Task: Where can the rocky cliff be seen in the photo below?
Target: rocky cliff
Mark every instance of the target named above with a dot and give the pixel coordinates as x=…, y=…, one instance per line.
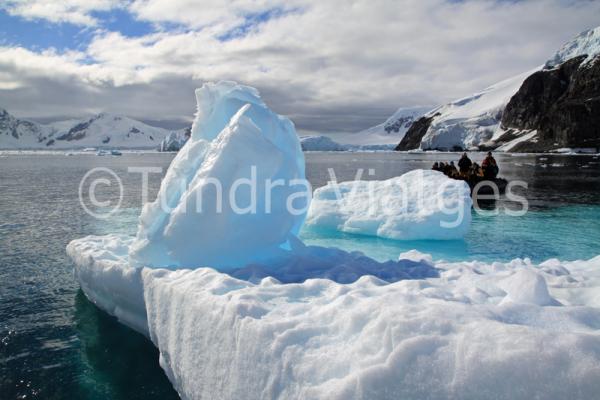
x=561, y=103
x=415, y=133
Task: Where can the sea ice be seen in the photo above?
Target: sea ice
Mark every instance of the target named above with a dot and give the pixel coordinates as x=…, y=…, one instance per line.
x=420, y=204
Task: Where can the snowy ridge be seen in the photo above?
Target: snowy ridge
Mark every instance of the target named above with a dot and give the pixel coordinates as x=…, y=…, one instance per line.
x=17, y=133
x=468, y=122
x=101, y=131
x=389, y=132
x=175, y=140
x=320, y=143
x=587, y=43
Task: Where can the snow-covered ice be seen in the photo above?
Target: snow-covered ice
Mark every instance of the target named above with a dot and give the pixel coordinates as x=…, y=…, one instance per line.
x=464, y=335
x=420, y=204
x=470, y=330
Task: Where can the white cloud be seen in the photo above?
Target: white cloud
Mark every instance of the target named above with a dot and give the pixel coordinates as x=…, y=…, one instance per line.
x=76, y=12
x=331, y=65
x=217, y=15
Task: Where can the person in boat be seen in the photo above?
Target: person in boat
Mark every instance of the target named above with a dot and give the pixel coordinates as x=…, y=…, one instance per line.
x=490, y=167
x=475, y=171
x=442, y=167
x=436, y=166
x=464, y=165
x=452, y=171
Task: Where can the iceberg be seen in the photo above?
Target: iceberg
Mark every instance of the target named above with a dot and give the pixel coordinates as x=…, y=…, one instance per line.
x=420, y=204
x=215, y=207
x=239, y=307
x=321, y=143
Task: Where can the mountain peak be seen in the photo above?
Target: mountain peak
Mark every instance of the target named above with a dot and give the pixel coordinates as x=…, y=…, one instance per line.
x=586, y=43
x=100, y=130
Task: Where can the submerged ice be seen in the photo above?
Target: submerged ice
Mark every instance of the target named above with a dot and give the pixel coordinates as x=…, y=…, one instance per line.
x=294, y=321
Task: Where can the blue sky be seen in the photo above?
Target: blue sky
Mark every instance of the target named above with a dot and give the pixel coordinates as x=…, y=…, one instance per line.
x=40, y=34
x=331, y=65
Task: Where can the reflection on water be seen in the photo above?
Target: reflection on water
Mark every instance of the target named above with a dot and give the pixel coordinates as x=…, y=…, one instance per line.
x=54, y=344
x=118, y=363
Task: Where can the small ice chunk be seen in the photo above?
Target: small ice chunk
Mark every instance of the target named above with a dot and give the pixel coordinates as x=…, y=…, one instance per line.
x=415, y=255
x=420, y=204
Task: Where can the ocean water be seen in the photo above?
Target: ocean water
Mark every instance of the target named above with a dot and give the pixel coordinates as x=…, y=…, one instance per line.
x=54, y=344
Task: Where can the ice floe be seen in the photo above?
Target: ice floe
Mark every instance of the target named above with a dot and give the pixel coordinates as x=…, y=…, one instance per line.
x=420, y=204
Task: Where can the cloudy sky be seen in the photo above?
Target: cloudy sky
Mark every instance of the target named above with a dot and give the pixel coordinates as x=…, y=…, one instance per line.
x=331, y=65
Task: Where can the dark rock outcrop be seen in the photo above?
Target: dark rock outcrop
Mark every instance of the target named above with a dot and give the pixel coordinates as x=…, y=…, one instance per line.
x=412, y=139
x=562, y=104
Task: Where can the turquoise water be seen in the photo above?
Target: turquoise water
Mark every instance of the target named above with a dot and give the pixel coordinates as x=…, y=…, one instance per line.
x=54, y=344
x=568, y=232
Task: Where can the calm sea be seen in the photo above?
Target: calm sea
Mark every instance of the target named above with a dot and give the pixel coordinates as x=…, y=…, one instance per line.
x=54, y=344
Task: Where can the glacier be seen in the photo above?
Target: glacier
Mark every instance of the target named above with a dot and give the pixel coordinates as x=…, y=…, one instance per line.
x=420, y=204
x=389, y=133
x=587, y=42
x=474, y=120
x=239, y=307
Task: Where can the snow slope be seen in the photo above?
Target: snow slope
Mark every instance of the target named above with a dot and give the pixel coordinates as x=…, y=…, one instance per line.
x=587, y=42
x=17, y=133
x=101, y=131
x=473, y=120
x=389, y=132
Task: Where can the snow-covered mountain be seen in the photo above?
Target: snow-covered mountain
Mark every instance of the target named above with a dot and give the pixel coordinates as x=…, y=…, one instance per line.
x=175, y=140
x=587, y=42
x=389, y=132
x=101, y=131
x=18, y=133
x=475, y=122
